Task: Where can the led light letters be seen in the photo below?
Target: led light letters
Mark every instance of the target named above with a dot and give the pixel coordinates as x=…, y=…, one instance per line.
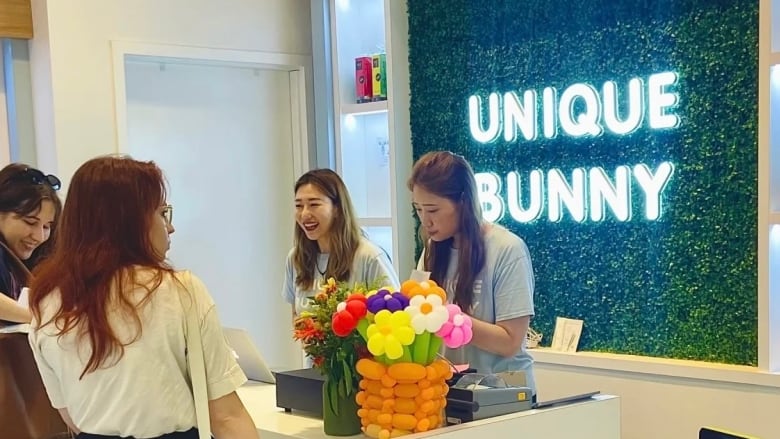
x=579, y=111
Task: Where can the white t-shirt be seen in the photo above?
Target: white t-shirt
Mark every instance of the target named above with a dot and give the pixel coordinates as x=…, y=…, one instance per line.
x=147, y=392
x=369, y=264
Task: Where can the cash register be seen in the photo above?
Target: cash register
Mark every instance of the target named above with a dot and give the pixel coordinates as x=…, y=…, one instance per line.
x=476, y=396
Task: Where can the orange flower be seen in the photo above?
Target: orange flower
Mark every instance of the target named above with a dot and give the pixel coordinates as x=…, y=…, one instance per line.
x=330, y=286
x=307, y=330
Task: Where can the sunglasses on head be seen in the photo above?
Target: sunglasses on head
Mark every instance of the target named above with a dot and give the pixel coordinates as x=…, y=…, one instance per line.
x=35, y=176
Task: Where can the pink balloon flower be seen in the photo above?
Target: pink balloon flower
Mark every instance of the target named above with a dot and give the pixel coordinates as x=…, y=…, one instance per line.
x=456, y=331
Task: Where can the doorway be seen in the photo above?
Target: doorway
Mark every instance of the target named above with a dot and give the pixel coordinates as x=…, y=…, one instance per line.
x=225, y=134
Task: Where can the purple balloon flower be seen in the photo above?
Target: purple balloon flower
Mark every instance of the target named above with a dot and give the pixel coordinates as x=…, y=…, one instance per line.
x=384, y=299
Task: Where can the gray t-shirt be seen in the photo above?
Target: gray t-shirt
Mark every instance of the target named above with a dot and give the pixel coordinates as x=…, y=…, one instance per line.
x=504, y=290
x=370, y=263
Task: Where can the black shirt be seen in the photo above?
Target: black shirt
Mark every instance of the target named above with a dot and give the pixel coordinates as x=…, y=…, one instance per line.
x=9, y=285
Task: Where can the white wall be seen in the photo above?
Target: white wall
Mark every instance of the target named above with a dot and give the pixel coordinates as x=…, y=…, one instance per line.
x=657, y=406
x=71, y=60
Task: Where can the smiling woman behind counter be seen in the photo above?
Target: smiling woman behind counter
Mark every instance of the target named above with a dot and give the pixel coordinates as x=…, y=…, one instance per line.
x=29, y=209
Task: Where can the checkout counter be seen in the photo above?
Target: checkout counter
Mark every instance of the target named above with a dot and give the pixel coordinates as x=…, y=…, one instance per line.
x=597, y=417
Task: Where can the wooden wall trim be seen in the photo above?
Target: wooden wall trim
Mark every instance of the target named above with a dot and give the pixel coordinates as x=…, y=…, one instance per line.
x=16, y=19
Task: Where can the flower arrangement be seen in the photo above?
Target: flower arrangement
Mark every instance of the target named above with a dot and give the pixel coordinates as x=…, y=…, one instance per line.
x=390, y=339
x=332, y=351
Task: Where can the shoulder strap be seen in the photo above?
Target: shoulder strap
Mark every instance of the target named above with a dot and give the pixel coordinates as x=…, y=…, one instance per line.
x=195, y=362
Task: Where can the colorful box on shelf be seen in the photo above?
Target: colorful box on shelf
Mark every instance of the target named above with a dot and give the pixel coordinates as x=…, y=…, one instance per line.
x=370, y=78
x=363, y=79
x=379, y=83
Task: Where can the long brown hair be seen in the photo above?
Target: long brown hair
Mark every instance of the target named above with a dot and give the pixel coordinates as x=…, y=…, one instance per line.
x=450, y=176
x=104, y=236
x=344, y=234
x=22, y=192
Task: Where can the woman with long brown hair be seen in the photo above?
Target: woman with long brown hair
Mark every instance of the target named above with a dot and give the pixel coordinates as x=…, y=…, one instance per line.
x=108, y=329
x=329, y=242
x=485, y=268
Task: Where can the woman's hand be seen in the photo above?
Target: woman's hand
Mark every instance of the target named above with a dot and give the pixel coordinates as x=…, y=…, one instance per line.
x=503, y=338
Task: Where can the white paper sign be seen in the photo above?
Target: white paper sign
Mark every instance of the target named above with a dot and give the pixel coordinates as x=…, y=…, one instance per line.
x=420, y=276
x=567, y=334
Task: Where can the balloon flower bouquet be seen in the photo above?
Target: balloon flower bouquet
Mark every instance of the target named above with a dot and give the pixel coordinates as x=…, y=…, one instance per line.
x=403, y=387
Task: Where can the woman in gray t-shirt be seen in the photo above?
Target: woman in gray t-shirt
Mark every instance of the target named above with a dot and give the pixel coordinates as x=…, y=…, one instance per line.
x=484, y=268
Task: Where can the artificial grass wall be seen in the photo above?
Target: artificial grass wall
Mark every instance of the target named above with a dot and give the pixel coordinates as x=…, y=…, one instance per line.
x=683, y=285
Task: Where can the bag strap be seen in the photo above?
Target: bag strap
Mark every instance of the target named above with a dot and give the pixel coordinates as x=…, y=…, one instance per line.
x=195, y=361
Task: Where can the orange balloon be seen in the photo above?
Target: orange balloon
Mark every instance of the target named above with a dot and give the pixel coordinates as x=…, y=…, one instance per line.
x=407, y=286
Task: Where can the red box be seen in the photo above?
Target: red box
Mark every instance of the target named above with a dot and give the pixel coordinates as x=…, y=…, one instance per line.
x=363, y=79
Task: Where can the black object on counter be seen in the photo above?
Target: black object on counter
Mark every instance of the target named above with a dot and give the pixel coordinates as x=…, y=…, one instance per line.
x=458, y=375
x=300, y=390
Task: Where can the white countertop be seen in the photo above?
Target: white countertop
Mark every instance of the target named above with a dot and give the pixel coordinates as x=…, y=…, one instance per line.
x=598, y=418
x=274, y=422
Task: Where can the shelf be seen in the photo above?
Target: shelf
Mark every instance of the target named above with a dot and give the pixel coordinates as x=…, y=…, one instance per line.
x=774, y=58
x=364, y=109
x=375, y=222
x=774, y=218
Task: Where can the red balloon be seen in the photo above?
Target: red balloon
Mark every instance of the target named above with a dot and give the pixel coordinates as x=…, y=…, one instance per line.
x=357, y=309
x=343, y=323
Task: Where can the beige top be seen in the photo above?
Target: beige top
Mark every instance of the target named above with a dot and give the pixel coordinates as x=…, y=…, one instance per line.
x=146, y=393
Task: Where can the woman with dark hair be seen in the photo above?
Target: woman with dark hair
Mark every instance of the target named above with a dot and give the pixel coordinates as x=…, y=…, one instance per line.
x=484, y=268
x=108, y=327
x=328, y=242
x=29, y=208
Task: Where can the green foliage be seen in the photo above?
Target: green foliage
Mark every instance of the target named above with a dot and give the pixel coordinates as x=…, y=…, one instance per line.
x=681, y=287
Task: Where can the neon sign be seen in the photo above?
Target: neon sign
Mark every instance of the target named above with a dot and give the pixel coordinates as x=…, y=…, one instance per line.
x=579, y=111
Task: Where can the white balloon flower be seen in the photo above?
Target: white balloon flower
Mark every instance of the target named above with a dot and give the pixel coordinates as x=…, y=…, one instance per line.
x=428, y=313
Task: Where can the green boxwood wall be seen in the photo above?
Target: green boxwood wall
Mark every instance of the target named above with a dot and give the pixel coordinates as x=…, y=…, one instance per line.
x=681, y=287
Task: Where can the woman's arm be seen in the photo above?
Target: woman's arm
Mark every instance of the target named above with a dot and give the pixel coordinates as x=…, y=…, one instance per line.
x=513, y=288
x=503, y=338
x=12, y=312
x=230, y=420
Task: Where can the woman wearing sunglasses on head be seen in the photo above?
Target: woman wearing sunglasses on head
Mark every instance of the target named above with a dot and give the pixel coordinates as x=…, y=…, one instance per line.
x=29, y=208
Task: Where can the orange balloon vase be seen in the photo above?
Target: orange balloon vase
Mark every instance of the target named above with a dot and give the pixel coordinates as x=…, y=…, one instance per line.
x=401, y=398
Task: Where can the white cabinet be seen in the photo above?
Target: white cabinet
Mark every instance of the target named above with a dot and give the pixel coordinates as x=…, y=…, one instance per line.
x=372, y=140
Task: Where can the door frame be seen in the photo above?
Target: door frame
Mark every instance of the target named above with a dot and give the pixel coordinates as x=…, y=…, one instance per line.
x=297, y=67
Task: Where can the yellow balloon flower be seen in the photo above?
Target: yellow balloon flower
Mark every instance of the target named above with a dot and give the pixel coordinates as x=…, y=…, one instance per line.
x=389, y=333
